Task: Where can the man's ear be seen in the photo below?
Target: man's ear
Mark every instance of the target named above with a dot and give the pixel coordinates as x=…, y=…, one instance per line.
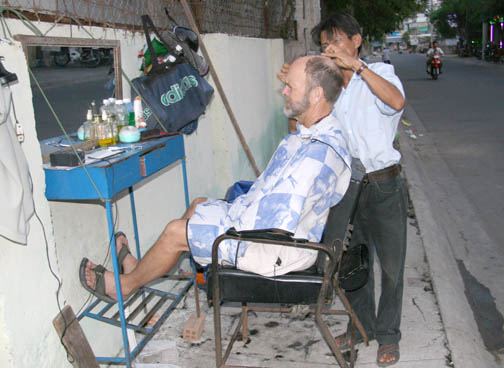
x=357, y=40
x=316, y=95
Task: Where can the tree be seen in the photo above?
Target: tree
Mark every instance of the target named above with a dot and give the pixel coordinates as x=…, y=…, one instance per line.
x=464, y=17
x=376, y=17
x=406, y=38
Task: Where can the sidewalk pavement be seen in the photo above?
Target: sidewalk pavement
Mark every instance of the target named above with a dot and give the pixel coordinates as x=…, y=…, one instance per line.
x=286, y=341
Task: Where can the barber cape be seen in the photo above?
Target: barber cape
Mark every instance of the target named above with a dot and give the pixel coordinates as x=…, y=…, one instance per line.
x=308, y=173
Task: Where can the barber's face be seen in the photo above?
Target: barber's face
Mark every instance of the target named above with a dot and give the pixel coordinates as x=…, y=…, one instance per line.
x=339, y=41
x=296, y=98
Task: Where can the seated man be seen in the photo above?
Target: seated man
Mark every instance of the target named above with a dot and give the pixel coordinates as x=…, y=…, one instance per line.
x=308, y=173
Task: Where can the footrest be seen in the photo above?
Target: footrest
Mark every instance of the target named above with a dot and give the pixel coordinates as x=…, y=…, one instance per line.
x=139, y=308
x=144, y=312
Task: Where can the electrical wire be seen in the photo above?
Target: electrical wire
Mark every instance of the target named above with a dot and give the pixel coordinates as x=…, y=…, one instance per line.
x=66, y=323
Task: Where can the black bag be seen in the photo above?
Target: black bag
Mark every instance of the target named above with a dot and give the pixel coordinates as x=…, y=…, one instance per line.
x=354, y=268
x=354, y=263
x=174, y=95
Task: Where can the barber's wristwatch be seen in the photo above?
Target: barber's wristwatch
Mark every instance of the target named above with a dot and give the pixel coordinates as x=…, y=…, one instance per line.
x=361, y=68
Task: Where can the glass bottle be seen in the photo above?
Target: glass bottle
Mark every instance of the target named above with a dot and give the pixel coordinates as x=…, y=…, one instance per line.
x=105, y=131
x=87, y=125
x=93, y=133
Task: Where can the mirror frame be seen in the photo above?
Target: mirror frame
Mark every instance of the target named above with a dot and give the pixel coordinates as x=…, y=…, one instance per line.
x=78, y=42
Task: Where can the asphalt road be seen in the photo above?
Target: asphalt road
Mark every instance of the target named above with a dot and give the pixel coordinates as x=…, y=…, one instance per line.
x=461, y=114
x=464, y=112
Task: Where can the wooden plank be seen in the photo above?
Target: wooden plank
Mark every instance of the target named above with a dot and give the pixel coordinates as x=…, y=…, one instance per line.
x=66, y=324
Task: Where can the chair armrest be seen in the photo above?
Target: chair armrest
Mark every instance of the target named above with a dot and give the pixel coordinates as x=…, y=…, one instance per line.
x=269, y=236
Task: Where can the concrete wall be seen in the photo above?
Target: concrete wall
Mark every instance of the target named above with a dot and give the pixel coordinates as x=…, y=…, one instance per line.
x=247, y=68
x=307, y=17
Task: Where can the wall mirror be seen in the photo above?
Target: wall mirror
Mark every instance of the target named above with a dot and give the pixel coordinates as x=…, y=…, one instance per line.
x=72, y=73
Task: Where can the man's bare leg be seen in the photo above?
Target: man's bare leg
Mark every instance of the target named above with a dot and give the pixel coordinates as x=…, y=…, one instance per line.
x=160, y=258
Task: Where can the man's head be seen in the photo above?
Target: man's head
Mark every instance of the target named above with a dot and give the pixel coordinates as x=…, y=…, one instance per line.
x=434, y=44
x=313, y=84
x=339, y=28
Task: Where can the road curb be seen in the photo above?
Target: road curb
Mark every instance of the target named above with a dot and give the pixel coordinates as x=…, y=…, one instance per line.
x=464, y=340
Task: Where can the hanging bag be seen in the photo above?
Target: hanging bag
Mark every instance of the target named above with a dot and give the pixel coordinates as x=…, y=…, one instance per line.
x=174, y=95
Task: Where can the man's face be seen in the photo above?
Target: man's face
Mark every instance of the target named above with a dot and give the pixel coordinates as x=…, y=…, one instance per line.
x=296, y=98
x=339, y=39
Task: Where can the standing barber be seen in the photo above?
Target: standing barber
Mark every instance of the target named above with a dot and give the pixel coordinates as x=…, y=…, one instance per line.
x=369, y=108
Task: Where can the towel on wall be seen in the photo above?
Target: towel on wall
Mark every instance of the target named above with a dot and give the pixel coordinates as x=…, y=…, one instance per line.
x=16, y=191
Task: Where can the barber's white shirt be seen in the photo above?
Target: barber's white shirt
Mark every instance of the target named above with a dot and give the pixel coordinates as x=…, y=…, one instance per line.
x=369, y=125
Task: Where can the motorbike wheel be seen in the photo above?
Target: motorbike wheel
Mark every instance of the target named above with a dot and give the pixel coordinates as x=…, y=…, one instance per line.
x=61, y=59
x=434, y=73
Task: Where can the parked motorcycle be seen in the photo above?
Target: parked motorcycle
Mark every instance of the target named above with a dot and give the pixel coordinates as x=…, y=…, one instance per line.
x=86, y=56
x=435, y=66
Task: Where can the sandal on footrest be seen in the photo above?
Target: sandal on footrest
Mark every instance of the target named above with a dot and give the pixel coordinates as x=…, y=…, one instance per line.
x=99, y=290
x=123, y=252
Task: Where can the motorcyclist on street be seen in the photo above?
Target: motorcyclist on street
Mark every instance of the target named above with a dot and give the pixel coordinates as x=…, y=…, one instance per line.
x=434, y=50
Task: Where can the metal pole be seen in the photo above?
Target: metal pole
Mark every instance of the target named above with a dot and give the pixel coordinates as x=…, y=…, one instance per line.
x=218, y=85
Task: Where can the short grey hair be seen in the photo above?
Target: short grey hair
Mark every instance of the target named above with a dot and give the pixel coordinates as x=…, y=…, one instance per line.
x=323, y=72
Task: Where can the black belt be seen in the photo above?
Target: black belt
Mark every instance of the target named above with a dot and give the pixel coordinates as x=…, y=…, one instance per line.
x=383, y=174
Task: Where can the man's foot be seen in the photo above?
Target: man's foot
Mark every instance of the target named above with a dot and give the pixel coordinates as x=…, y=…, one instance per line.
x=127, y=262
x=98, y=281
x=387, y=355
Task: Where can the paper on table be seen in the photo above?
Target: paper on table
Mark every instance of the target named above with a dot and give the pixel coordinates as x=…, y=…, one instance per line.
x=103, y=154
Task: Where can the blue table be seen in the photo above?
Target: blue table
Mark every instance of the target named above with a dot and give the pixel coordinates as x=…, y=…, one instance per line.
x=103, y=180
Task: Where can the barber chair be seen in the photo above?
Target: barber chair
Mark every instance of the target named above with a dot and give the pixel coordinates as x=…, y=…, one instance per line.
x=314, y=287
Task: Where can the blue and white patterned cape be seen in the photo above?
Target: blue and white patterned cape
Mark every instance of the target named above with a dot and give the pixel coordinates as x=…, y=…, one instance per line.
x=308, y=173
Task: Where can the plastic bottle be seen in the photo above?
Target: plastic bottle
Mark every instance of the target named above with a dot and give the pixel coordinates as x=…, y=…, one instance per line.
x=104, y=105
x=80, y=133
x=128, y=104
x=129, y=108
x=138, y=110
x=121, y=114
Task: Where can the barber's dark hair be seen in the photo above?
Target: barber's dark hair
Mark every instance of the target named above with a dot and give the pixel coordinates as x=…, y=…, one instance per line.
x=337, y=21
x=322, y=71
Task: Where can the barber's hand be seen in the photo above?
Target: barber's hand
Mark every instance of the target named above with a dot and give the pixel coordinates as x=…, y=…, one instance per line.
x=340, y=56
x=283, y=73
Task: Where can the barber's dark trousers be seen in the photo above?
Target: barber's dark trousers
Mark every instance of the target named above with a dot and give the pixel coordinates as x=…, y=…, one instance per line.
x=380, y=222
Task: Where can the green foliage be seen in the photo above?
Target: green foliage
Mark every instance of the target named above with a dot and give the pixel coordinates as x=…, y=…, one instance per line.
x=406, y=37
x=444, y=22
x=376, y=17
x=464, y=17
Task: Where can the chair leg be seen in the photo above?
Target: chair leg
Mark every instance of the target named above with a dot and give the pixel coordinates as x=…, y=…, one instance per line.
x=244, y=317
x=329, y=339
x=352, y=314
